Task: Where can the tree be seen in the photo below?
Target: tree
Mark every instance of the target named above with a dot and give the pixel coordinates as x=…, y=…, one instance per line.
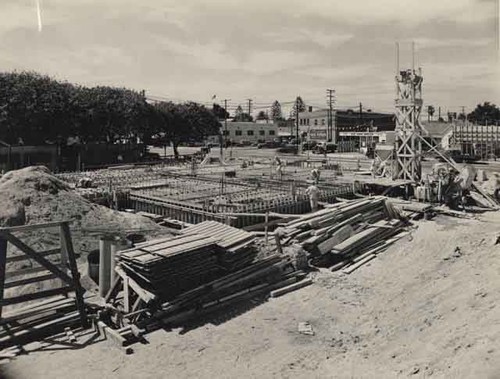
x=276, y=114
x=238, y=112
x=298, y=106
x=40, y=110
x=241, y=116
x=262, y=116
x=486, y=113
x=430, y=112
x=220, y=112
x=183, y=122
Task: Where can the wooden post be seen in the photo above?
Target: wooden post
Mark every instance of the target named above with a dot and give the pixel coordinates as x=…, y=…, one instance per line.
x=3, y=260
x=113, y=251
x=68, y=245
x=104, y=265
x=266, y=227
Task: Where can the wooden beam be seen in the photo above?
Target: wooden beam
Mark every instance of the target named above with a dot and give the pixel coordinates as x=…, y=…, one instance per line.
x=26, y=228
x=70, y=253
x=3, y=258
x=36, y=295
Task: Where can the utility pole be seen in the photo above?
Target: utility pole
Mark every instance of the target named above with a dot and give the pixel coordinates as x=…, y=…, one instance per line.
x=439, y=113
x=225, y=128
x=297, y=122
x=330, y=95
x=249, y=106
x=360, y=113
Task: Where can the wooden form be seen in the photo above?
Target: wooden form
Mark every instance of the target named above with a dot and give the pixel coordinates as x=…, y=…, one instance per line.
x=38, y=319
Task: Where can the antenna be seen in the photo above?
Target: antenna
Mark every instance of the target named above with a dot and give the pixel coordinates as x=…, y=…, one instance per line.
x=397, y=58
x=413, y=56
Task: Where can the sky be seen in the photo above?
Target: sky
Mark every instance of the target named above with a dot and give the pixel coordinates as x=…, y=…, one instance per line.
x=264, y=50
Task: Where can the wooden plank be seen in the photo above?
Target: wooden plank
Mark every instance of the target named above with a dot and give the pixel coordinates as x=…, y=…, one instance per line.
x=28, y=271
x=34, y=279
x=38, y=328
x=26, y=228
x=23, y=257
x=356, y=265
x=291, y=287
x=37, y=295
x=338, y=237
x=19, y=314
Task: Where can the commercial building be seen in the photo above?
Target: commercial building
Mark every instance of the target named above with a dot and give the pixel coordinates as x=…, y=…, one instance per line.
x=314, y=123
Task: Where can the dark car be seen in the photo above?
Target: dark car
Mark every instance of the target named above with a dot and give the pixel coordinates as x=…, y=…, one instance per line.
x=325, y=148
x=288, y=149
x=309, y=145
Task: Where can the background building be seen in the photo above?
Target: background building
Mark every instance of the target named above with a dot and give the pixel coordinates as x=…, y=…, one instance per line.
x=315, y=123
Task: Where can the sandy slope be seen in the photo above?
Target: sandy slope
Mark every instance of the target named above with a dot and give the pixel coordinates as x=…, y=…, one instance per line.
x=418, y=310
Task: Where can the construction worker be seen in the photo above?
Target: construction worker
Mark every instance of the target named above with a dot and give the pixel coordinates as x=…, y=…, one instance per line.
x=315, y=174
x=279, y=167
x=313, y=193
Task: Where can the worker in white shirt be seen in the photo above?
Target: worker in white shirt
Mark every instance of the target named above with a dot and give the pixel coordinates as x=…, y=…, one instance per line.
x=313, y=193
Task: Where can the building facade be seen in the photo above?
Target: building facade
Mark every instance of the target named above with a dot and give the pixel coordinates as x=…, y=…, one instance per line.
x=314, y=123
x=249, y=132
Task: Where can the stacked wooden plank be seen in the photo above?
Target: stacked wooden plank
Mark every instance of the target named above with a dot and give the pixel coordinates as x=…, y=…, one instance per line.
x=38, y=321
x=237, y=246
x=169, y=266
x=258, y=278
x=344, y=230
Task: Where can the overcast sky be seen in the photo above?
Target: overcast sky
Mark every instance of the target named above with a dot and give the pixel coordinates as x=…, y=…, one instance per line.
x=260, y=49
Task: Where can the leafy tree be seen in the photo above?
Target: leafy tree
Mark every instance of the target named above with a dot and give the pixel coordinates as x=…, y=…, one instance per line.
x=276, y=114
x=220, y=112
x=184, y=122
x=262, y=116
x=241, y=116
x=430, y=112
x=238, y=112
x=298, y=106
x=486, y=113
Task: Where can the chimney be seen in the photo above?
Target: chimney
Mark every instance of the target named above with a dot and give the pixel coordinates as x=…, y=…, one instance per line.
x=310, y=109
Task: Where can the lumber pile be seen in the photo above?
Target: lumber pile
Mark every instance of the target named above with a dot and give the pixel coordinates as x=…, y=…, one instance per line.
x=38, y=321
x=336, y=235
x=169, y=266
x=237, y=246
x=207, y=267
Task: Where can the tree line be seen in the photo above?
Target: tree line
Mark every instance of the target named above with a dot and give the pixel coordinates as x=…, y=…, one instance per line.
x=36, y=109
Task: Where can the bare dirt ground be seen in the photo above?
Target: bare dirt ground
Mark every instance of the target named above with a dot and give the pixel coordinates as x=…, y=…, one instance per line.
x=421, y=309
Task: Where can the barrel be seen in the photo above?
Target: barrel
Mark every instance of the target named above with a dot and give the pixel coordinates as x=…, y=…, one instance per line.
x=93, y=265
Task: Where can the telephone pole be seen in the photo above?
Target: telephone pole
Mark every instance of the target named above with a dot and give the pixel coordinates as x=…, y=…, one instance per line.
x=297, y=122
x=330, y=100
x=225, y=126
x=249, y=106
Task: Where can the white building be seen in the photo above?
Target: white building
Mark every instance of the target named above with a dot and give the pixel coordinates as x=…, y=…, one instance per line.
x=247, y=132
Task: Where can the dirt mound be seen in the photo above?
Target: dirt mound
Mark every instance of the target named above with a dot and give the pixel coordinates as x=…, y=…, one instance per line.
x=33, y=195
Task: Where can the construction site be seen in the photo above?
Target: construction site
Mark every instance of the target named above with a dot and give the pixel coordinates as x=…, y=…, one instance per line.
x=374, y=254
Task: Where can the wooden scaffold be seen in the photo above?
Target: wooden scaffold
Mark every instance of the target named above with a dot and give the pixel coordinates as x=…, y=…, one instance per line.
x=408, y=144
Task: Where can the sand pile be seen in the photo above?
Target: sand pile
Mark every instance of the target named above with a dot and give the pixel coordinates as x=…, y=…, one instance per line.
x=33, y=195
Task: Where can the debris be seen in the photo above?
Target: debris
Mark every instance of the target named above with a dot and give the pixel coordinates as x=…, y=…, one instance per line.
x=305, y=328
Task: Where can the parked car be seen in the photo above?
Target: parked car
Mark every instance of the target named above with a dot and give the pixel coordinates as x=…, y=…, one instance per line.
x=269, y=145
x=309, y=145
x=288, y=149
x=325, y=147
